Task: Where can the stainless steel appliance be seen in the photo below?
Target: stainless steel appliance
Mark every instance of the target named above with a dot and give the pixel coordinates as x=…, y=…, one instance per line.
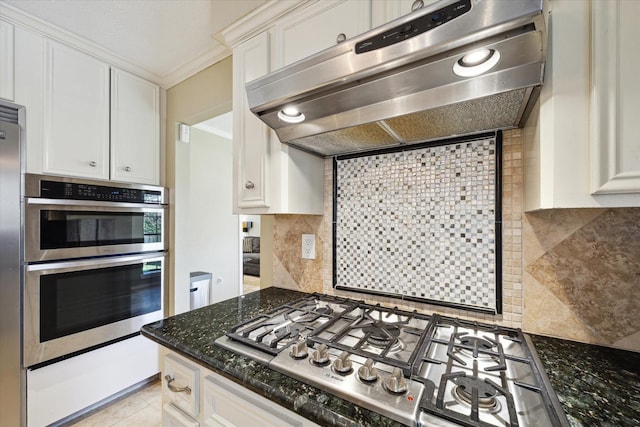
x=73, y=305
x=418, y=369
x=12, y=376
x=94, y=264
x=451, y=68
x=74, y=218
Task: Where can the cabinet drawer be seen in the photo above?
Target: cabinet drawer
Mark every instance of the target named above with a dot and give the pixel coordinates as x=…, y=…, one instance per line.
x=173, y=417
x=181, y=385
x=226, y=404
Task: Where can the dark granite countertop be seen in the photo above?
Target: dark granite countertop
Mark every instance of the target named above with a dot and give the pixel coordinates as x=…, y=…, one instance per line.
x=597, y=386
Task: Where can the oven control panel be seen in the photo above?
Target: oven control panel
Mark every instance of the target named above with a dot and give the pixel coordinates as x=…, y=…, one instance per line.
x=76, y=189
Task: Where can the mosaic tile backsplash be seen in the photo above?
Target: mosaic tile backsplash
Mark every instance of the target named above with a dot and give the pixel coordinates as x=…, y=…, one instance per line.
x=421, y=224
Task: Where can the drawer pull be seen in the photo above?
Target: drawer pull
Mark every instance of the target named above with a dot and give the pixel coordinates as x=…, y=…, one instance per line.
x=249, y=185
x=93, y=164
x=175, y=389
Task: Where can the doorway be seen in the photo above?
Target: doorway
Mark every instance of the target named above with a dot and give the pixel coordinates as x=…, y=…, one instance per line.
x=211, y=237
x=251, y=248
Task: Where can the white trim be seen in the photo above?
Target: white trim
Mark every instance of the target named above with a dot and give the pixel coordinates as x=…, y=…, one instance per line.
x=258, y=21
x=193, y=67
x=43, y=28
x=243, y=29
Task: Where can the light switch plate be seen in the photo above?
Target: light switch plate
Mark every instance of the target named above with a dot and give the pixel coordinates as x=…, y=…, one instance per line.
x=309, y=246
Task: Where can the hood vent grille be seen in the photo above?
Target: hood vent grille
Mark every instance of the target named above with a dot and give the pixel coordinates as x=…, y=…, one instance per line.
x=501, y=111
x=408, y=92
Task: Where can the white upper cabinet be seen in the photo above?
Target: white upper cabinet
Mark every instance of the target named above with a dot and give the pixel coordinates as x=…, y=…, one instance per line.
x=615, y=132
x=384, y=11
x=269, y=177
x=76, y=113
x=83, y=117
x=6, y=61
x=251, y=138
x=135, y=129
x=581, y=147
x=319, y=27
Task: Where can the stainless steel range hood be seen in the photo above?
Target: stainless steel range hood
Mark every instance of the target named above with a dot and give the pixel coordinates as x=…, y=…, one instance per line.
x=396, y=84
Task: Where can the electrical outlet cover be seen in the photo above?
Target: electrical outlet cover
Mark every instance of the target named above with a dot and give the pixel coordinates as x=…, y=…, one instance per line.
x=309, y=246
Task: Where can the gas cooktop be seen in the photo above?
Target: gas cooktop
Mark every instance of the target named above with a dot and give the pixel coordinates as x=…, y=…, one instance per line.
x=420, y=370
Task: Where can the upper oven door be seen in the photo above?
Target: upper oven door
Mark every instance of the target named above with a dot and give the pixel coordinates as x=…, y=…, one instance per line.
x=62, y=229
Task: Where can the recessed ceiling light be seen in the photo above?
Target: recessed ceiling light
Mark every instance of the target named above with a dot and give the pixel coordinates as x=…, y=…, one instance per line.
x=476, y=62
x=291, y=115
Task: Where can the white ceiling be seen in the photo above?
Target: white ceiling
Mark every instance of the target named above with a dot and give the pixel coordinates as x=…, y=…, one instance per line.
x=161, y=37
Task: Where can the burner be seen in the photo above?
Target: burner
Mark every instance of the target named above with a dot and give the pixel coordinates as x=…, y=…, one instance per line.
x=463, y=391
x=325, y=311
x=381, y=334
x=473, y=344
x=476, y=342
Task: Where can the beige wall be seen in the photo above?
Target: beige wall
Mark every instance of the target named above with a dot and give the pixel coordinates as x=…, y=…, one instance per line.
x=200, y=97
x=572, y=274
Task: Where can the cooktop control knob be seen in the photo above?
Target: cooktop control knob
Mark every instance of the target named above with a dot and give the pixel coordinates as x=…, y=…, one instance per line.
x=299, y=350
x=367, y=372
x=342, y=365
x=395, y=383
x=320, y=357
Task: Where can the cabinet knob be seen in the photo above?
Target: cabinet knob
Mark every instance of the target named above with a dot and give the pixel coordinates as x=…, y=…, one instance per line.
x=418, y=4
x=341, y=37
x=93, y=164
x=127, y=168
x=249, y=185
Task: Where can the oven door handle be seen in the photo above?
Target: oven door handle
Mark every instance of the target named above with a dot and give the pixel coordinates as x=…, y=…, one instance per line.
x=97, y=262
x=92, y=203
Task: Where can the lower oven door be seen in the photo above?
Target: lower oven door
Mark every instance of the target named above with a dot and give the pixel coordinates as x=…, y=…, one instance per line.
x=70, y=306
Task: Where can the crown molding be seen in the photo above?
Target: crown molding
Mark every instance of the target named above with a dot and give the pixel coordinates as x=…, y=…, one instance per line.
x=193, y=67
x=243, y=29
x=258, y=20
x=43, y=28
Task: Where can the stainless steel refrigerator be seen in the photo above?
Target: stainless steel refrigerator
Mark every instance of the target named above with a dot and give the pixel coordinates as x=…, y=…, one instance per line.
x=12, y=375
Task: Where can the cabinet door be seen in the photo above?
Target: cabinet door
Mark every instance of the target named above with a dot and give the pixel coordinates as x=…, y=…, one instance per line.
x=317, y=28
x=76, y=114
x=6, y=61
x=251, y=148
x=615, y=129
x=29, y=91
x=383, y=11
x=135, y=129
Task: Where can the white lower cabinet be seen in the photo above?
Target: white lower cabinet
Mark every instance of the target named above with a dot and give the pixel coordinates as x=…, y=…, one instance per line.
x=218, y=402
x=181, y=385
x=173, y=417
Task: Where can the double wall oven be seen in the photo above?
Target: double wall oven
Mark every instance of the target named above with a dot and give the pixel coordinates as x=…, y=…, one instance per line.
x=94, y=263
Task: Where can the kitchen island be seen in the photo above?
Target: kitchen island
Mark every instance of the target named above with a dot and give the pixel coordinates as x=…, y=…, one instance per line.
x=596, y=386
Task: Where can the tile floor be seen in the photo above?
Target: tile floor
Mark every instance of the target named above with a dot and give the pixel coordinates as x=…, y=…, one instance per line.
x=250, y=284
x=142, y=408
